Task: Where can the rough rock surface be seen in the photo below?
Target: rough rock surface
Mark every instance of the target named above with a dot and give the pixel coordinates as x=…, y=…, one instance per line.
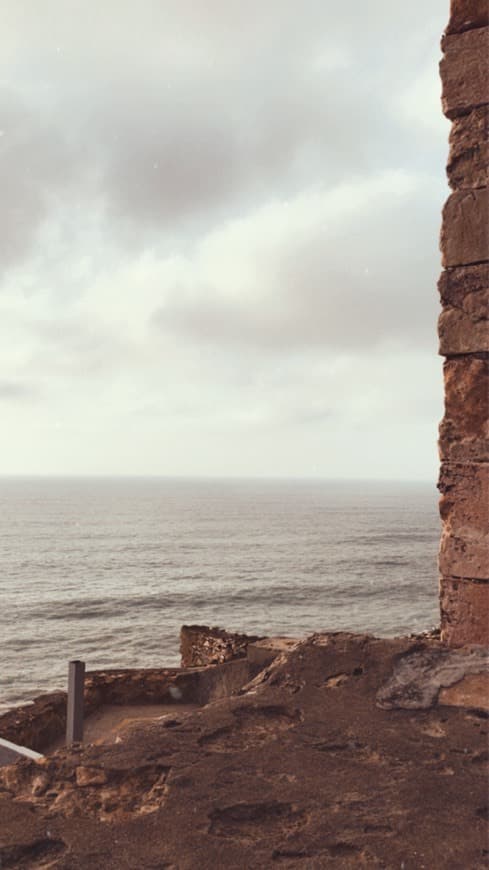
x=419, y=677
x=261, y=652
x=43, y=722
x=464, y=71
x=463, y=333
x=464, y=330
x=466, y=14
x=465, y=228
x=472, y=691
x=303, y=768
x=464, y=322
x=464, y=509
x=468, y=163
x=466, y=288
x=201, y=645
x=464, y=430
x=464, y=607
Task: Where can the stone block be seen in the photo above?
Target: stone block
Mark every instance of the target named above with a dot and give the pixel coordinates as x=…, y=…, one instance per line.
x=464, y=509
x=465, y=228
x=467, y=288
x=463, y=326
x=463, y=70
x=460, y=334
x=465, y=553
x=464, y=430
x=467, y=14
x=201, y=645
x=464, y=612
x=468, y=161
x=464, y=489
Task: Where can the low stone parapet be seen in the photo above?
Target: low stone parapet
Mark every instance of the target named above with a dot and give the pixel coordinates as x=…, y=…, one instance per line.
x=41, y=723
x=201, y=645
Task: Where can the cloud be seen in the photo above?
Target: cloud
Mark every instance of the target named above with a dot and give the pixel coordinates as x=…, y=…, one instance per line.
x=168, y=119
x=346, y=267
x=18, y=391
x=219, y=221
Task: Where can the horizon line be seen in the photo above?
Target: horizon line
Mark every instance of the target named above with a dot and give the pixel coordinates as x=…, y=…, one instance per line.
x=203, y=477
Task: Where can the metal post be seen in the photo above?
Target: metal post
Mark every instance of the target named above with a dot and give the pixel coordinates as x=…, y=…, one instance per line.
x=74, y=711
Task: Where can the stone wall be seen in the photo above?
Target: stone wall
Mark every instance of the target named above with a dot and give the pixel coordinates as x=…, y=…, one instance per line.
x=464, y=330
x=201, y=645
x=39, y=724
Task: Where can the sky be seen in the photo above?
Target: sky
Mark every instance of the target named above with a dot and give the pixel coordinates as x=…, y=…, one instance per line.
x=219, y=237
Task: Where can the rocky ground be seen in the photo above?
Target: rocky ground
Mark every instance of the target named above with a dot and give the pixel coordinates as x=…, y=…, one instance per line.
x=345, y=751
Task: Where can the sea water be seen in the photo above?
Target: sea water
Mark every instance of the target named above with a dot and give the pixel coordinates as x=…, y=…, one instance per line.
x=107, y=570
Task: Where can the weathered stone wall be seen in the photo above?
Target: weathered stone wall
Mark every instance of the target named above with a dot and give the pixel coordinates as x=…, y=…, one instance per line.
x=201, y=645
x=464, y=330
x=39, y=724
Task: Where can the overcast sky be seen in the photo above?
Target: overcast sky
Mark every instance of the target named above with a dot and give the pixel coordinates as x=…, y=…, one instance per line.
x=219, y=237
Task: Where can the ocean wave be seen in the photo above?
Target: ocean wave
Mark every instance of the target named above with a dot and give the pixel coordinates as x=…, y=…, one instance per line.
x=110, y=572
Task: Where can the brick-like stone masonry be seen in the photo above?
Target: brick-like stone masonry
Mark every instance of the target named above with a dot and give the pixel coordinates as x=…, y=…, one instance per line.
x=201, y=646
x=464, y=330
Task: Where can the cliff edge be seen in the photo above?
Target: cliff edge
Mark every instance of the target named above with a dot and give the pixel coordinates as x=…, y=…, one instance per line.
x=343, y=751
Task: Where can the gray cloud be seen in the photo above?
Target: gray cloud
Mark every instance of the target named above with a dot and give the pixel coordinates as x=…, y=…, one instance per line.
x=18, y=391
x=216, y=218
x=347, y=283
x=165, y=117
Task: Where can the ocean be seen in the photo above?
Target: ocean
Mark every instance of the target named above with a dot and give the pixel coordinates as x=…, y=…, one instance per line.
x=107, y=570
